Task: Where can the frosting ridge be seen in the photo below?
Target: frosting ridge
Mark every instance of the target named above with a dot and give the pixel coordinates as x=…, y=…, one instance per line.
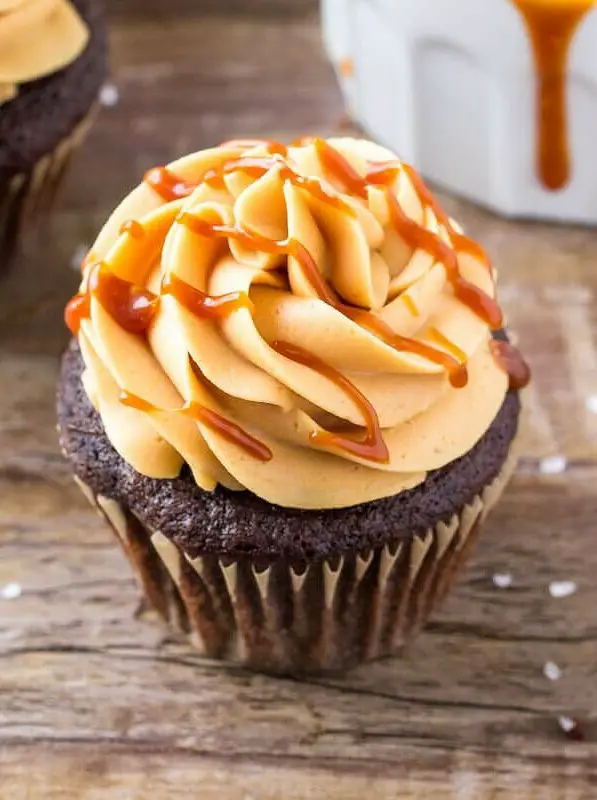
x=304, y=322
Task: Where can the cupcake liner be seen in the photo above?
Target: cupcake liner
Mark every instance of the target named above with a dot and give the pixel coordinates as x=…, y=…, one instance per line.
x=28, y=197
x=289, y=619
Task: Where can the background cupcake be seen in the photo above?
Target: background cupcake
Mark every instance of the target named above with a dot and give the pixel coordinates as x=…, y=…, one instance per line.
x=52, y=65
x=286, y=398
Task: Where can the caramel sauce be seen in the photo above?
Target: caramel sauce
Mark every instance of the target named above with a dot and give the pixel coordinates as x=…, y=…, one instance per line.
x=438, y=337
x=134, y=401
x=256, y=167
x=169, y=186
x=511, y=361
x=225, y=427
x=275, y=148
x=410, y=304
x=551, y=26
x=231, y=431
x=457, y=372
x=372, y=447
x=201, y=304
x=415, y=235
x=77, y=309
x=133, y=307
x=133, y=228
x=253, y=241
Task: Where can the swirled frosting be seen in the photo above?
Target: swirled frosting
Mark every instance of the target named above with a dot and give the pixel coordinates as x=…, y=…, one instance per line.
x=302, y=322
x=37, y=37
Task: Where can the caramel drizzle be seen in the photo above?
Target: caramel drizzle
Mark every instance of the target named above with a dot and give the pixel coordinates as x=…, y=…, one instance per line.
x=551, y=28
x=253, y=241
x=134, y=307
x=372, y=447
x=168, y=185
x=512, y=362
x=257, y=166
x=211, y=419
x=201, y=304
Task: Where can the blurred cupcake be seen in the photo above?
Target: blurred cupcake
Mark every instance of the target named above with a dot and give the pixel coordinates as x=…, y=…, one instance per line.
x=288, y=394
x=52, y=65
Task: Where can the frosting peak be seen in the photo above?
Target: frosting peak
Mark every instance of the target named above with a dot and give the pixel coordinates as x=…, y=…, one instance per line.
x=304, y=322
x=37, y=37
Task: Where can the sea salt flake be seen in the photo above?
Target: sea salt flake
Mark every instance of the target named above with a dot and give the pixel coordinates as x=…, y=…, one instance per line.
x=503, y=580
x=551, y=671
x=109, y=95
x=554, y=465
x=560, y=589
x=572, y=728
x=11, y=591
x=592, y=404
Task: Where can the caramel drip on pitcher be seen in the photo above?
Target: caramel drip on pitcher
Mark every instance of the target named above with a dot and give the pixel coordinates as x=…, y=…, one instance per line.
x=551, y=27
x=211, y=419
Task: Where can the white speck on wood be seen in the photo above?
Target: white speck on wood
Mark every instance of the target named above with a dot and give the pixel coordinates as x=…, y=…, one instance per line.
x=11, y=591
x=551, y=671
x=560, y=589
x=554, y=465
x=109, y=95
x=503, y=580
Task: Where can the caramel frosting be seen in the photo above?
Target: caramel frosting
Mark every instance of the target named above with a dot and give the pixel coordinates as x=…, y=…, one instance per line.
x=37, y=37
x=303, y=322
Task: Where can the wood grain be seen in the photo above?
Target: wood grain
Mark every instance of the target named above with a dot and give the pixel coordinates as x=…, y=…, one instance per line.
x=97, y=704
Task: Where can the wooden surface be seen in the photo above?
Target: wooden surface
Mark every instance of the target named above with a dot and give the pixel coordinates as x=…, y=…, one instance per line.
x=95, y=704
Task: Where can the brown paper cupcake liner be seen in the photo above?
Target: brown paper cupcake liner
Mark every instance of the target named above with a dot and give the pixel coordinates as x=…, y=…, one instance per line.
x=28, y=197
x=332, y=615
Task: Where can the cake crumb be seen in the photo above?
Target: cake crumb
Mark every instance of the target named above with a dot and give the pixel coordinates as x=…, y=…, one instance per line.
x=572, y=728
x=503, y=580
x=11, y=591
x=560, y=589
x=551, y=671
x=109, y=95
x=554, y=465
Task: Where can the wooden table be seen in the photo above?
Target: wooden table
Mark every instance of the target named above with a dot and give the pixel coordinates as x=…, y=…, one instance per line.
x=95, y=704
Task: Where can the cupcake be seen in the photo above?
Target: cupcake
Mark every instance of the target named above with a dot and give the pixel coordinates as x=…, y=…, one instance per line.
x=289, y=393
x=52, y=65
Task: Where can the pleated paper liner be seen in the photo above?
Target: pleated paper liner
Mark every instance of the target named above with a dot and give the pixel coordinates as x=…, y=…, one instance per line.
x=284, y=618
x=27, y=198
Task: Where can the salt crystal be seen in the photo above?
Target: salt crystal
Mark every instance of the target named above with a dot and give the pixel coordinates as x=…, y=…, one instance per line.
x=572, y=728
x=11, y=591
x=592, y=404
x=551, y=671
x=108, y=95
x=562, y=588
x=567, y=724
x=503, y=580
x=554, y=465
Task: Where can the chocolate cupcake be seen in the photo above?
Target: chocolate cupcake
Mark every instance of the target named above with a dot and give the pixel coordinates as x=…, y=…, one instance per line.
x=52, y=65
x=288, y=395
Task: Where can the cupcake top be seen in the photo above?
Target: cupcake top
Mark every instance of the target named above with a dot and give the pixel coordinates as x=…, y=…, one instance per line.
x=37, y=37
x=304, y=322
